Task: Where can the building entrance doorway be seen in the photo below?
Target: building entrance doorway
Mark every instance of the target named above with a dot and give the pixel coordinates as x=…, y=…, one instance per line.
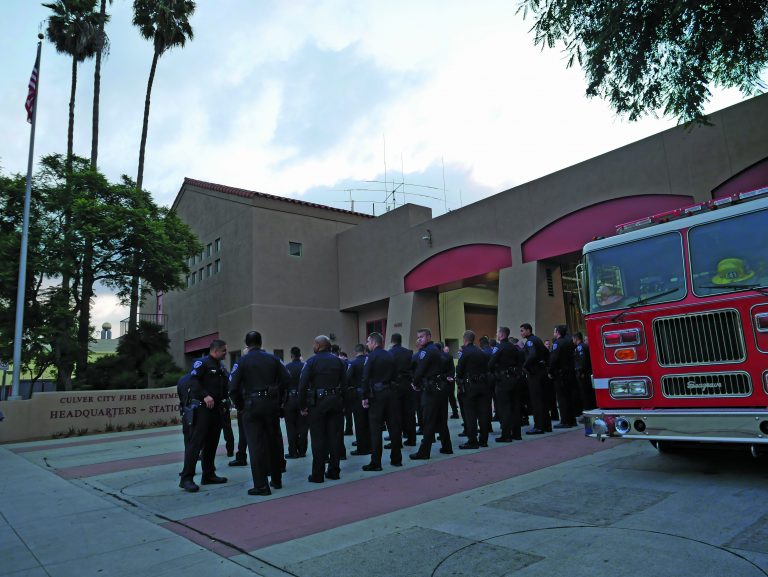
x=472, y=308
x=573, y=317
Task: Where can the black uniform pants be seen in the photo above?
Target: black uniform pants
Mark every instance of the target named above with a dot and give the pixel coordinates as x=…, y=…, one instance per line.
x=384, y=408
x=296, y=427
x=325, y=428
x=229, y=434
x=588, y=401
x=508, y=407
x=362, y=428
x=204, y=436
x=452, y=397
x=538, y=397
x=408, y=400
x=551, y=397
x=566, y=387
x=350, y=400
x=241, y=454
x=477, y=408
x=418, y=405
x=264, y=446
x=434, y=407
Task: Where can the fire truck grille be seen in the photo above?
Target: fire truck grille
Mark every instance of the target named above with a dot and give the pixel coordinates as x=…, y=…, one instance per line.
x=707, y=385
x=699, y=339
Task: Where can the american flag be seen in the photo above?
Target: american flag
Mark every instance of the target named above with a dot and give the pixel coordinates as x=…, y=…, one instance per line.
x=30, y=104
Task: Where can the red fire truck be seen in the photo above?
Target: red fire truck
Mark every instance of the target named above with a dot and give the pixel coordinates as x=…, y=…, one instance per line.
x=676, y=309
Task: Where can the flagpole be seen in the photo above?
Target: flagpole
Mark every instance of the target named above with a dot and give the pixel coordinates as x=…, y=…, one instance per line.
x=22, y=285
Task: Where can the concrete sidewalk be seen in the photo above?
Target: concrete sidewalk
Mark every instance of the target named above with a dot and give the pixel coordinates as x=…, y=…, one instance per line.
x=556, y=504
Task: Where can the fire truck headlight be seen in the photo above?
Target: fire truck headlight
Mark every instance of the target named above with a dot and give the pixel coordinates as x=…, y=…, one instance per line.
x=622, y=425
x=627, y=388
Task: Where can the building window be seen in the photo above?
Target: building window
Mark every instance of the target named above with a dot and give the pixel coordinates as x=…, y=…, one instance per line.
x=217, y=243
x=279, y=353
x=294, y=248
x=202, y=254
x=194, y=277
x=550, y=283
x=189, y=280
x=208, y=270
x=217, y=266
x=208, y=249
x=201, y=274
x=377, y=326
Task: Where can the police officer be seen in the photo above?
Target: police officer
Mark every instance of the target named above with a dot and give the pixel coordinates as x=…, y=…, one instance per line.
x=361, y=414
x=380, y=398
x=403, y=377
x=506, y=364
x=258, y=382
x=562, y=372
x=296, y=425
x=451, y=384
x=336, y=351
x=241, y=456
x=182, y=390
x=535, y=365
x=208, y=384
x=320, y=397
x=472, y=374
x=582, y=363
x=428, y=379
x=448, y=372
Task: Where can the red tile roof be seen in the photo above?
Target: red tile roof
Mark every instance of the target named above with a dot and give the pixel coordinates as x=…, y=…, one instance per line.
x=252, y=194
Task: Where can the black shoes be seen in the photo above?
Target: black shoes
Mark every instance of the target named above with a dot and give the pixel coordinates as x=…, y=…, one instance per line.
x=332, y=476
x=230, y=454
x=400, y=464
x=409, y=443
x=418, y=457
x=189, y=485
x=260, y=491
x=503, y=439
x=372, y=467
x=446, y=451
x=563, y=426
x=388, y=446
x=348, y=433
x=213, y=480
x=455, y=416
x=483, y=443
x=469, y=446
x=359, y=453
x=237, y=463
x=289, y=456
x=312, y=479
x=276, y=484
x=534, y=432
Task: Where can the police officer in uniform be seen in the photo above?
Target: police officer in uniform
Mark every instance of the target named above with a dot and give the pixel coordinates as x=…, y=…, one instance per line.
x=258, y=382
x=562, y=372
x=451, y=384
x=208, y=384
x=296, y=425
x=380, y=398
x=582, y=363
x=320, y=397
x=472, y=374
x=535, y=365
x=428, y=379
x=402, y=378
x=182, y=390
x=506, y=364
x=361, y=416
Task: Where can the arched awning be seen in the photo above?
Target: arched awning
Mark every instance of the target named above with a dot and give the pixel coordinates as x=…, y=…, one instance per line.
x=752, y=178
x=571, y=232
x=456, y=264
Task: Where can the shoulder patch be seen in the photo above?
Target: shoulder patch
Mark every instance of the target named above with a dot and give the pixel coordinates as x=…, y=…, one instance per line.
x=579, y=348
x=422, y=354
x=495, y=350
x=554, y=347
x=197, y=364
x=528, y=343
x=234, y=369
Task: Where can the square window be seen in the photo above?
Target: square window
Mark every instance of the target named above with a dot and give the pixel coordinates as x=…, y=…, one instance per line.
x=202, y=254
x=208, y=249
x=200, y=274
x=217, y=242
x=208, y=270
x=194, y=277
x=294, y=248
x=217, y=266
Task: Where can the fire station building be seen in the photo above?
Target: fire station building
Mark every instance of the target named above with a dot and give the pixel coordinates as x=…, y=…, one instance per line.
x=293, y=269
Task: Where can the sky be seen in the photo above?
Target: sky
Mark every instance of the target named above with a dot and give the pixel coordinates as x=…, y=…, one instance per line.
x=321, y=101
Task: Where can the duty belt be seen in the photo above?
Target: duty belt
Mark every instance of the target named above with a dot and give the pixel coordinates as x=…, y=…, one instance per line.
x=378, y=387
x=326, y=392
x=258, y=393
x=293, y=393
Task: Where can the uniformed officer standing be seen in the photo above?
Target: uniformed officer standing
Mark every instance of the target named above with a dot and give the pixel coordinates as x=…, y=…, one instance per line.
x=381, y=400
x=403, y=377
x=320, y=397
x=208, y=384
x=434, y=397
x=451, y=384
x=448, y=371
x=472, y=375
x=241, y=456
x=535, y=366
x=354, y=380
x=182, y=390
x=296, y=425
x=582, y=363
x=258, y=382
x=506, y=364
x=562, y=372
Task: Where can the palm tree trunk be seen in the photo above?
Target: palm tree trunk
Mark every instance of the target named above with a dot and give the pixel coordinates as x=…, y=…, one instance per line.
x=143, y=145
x=97, y=89
x=84, y=321
x=71, y=129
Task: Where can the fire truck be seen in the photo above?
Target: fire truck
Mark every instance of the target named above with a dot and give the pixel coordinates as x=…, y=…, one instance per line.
x=676, y=314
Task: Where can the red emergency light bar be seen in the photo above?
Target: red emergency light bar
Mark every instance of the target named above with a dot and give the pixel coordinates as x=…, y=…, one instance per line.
x=691, y=210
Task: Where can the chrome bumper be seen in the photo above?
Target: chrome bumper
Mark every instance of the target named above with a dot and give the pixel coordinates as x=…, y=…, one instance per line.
x=703, y=426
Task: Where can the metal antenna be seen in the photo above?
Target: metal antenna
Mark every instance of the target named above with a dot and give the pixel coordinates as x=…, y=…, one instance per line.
x=445, y=197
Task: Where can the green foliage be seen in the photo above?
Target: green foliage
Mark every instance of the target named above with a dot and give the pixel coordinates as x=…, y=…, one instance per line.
x=73, y=28
x=648, y=55
x=164, y=22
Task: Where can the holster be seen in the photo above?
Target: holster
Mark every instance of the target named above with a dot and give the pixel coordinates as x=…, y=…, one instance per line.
x=190, y=410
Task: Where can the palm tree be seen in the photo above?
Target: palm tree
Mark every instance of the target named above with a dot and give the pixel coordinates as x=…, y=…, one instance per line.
x=73, y=28
x=102, y=47
x=166, y=24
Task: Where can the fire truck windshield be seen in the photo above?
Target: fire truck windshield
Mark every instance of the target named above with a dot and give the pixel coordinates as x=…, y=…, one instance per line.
x=649, y=270
x=730, y=255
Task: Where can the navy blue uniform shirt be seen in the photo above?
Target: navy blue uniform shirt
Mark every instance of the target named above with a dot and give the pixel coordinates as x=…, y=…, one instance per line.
x=379, y=368
x=428, y=363
x=473, y=362
x=403, y=362
x=208, y=378
x=505, y=356
x=536, y=354
x=256, y=370
x=322, y=371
